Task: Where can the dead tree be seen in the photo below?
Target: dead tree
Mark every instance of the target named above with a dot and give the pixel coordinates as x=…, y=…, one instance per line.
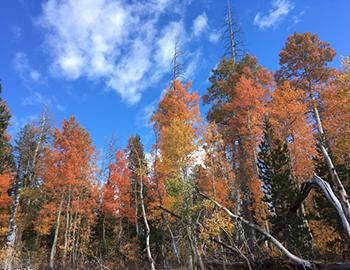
x=231, y=35
x=318, y=182
x=300, y=261
x=177, y=67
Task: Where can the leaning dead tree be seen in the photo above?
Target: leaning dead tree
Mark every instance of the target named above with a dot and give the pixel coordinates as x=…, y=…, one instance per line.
x=300, y=261
x=148, y=230
x=318, y=182
x=342, y=193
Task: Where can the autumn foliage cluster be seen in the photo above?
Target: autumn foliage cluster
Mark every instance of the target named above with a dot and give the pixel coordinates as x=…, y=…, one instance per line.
x=64, y=205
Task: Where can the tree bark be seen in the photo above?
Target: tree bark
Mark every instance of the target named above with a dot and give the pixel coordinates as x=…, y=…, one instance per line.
x=148, y=231
x=54, y=244
x=11, y=237
x=175, y=248
x=231, y=31
x=67, y=229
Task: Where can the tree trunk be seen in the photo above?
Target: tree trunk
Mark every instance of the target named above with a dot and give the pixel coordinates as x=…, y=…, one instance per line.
x=332, y=198
x=148, y=231
x=136, y=209
x=344, y=198
x=53, y=248
x=11, y=237
x=67, y=230
x=231, y=31
x=175, y=248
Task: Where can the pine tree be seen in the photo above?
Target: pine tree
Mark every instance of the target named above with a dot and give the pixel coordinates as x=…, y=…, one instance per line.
x=28, y=153
x=6, y=160
x=280, y=192
x=137, y=164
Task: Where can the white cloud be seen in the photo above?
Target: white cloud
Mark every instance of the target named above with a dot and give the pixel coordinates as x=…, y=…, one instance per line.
x=280, y=8
x=214, y=37
x=190, y=68
x=24, y=69
x=146, y=113
x=166, y=43
x=200, y=24
x=122, y=44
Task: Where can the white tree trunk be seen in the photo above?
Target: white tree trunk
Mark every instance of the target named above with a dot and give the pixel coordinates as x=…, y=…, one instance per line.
x=344, y=198
x=317, y=181
x=54, y=244
x=148, y=231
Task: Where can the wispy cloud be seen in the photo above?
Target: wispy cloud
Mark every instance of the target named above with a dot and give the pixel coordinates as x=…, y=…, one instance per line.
x=24, y=69
x=200, y=24
x=123, y=44
x=280, y=9
x=16, y=32
x=296, y=19
x=214, y=37
x=192, y=65
x=146, y=113
x=37, y=99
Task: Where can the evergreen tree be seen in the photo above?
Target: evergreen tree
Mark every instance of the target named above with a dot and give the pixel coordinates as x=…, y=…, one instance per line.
x=280, y=192
x=137, y=164
x=6, y=160
x=28, y=154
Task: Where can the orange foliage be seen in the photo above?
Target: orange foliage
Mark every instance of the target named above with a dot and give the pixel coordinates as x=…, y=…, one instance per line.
x=288, y=116
x=176, y=123
x=5, y=202
x=336, y=117
x=303, y=61
x=179, y=103
x=216, y=178
x=117, y=191
x=68, y=175
x=248, y=110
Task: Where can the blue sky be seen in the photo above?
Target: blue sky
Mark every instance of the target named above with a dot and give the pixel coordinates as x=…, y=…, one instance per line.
x=108, y=61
